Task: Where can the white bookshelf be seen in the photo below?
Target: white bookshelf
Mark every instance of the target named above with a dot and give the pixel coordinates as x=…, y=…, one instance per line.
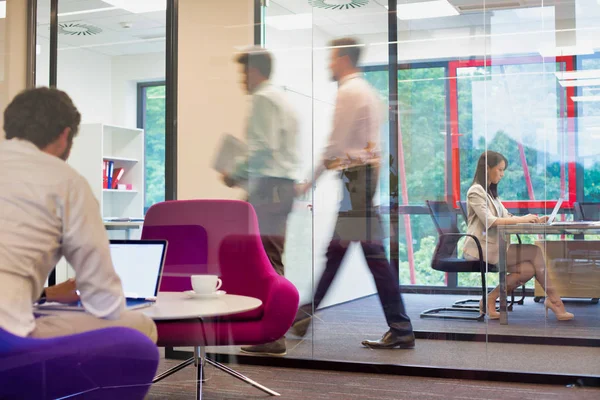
x=125, y=148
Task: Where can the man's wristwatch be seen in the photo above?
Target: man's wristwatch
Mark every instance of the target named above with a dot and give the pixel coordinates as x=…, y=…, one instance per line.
x=42, y=298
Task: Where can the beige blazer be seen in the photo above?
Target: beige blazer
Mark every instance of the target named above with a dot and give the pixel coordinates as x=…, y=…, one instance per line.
x=482, y=212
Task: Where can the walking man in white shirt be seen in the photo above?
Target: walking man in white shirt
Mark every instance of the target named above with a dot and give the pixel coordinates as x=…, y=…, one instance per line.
x=47, y=210
x=271, y=165
x=354, y=152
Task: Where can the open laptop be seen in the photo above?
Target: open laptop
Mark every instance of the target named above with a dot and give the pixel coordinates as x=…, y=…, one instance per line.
x=559, y=223
x=139, y=264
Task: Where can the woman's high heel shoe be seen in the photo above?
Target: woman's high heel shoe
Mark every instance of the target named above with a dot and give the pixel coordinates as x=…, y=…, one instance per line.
x=561, y=315
x=492, y=313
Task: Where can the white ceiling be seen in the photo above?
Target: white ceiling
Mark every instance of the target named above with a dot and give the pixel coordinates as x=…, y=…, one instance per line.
x=146, y=34
x=372, y=18
x=147, y=31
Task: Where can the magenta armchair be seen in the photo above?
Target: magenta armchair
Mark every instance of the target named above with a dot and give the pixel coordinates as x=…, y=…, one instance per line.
x=220, y=237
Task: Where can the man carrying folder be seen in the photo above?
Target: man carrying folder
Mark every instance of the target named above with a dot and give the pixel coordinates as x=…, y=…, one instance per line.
x=270, y=169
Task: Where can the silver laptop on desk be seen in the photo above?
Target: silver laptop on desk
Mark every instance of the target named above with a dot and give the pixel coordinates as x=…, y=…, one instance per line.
x=139, y=264
x=550, y=219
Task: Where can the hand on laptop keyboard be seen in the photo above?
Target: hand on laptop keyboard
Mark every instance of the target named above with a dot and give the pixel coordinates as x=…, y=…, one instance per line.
x=65, y=292
x=529, y=219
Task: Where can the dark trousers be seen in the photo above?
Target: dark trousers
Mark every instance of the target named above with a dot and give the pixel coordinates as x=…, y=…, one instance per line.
x=272, y=199
x=358, y=221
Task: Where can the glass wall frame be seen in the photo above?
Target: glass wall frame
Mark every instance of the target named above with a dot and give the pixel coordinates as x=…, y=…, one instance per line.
x=51, y=18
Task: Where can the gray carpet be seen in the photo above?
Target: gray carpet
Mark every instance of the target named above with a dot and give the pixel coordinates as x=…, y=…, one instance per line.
x=296, y=384
x=526, y=320
x=337, y=332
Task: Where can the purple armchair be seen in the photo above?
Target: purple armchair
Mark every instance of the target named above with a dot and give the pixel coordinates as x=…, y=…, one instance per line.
x=220, y=237
x=112, y=363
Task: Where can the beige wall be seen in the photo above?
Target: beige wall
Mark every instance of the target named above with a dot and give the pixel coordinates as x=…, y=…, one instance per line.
x=13, y=53
x=211, y=101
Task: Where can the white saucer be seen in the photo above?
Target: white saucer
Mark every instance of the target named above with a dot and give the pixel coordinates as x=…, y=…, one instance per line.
x=193, y=295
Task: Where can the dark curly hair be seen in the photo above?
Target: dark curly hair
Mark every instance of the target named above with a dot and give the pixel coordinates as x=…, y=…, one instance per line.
x=40, y=115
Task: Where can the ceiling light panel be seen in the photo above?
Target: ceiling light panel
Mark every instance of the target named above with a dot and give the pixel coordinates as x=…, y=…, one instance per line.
x=580, y=83
x=91, y=11
x=585, y=74
x=426, y=9
x=290, y=22
x=585, y=98
x=139, y=6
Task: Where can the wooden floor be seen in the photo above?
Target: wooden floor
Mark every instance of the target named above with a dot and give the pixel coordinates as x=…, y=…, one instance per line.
x=297, y=384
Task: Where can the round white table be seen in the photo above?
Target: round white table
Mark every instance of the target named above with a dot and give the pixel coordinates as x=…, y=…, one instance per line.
x=177, y=305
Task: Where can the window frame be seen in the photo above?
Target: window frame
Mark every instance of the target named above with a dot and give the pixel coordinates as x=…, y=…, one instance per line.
x=452, y=161
x=570, y=63
x=141, y=121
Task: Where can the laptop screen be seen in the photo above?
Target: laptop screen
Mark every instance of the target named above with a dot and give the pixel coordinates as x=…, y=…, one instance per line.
x=139, y=265
x=555, y=210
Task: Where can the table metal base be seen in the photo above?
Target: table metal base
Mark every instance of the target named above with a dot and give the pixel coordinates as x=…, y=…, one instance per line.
x=199, y=359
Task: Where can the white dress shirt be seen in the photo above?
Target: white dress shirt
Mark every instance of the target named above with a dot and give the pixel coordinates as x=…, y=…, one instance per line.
x=47, y=210
x=272, y=134
x=356, y=124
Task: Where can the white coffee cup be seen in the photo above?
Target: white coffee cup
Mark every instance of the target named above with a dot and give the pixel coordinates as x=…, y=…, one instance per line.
x=205, y=284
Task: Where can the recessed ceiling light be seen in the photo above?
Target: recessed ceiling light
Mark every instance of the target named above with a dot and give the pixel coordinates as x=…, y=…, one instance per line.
x=290, y=22
x=139, y=6
x=93, y=10
x=425, y=9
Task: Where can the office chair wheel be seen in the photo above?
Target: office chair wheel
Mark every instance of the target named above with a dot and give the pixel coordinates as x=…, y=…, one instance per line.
x=595, y=300
x=537, y=299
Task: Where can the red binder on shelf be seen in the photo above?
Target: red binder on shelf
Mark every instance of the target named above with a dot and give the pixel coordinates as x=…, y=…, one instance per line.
x=104, y=174
x=117, y=175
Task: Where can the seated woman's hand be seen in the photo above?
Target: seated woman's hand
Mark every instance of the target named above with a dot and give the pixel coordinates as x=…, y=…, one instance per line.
x=543, y=219
x=529, y=218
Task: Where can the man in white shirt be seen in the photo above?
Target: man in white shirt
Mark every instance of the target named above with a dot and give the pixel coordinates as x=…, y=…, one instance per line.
x=354, y=152
x=270, y=170
x=47, y=210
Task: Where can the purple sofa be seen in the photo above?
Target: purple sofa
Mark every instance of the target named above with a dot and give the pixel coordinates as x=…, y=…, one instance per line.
x=112, y=363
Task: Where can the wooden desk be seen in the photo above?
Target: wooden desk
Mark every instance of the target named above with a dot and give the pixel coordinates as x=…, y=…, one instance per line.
x=573, y=266
x=504, y=233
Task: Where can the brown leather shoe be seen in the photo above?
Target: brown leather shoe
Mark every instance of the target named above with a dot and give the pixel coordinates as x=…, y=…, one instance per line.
x=391, y=340
x=276, y=348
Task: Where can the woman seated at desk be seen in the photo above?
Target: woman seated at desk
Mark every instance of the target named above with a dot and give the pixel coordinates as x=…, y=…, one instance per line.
x=485, y=213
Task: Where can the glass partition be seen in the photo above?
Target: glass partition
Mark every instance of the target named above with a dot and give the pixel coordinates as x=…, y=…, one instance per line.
x=107, y=56
x=384, y=167
x=476, y=77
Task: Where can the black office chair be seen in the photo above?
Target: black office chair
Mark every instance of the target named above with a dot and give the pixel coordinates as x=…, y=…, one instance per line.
x=445, y=259
x=464, y=303
x=586, y=211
